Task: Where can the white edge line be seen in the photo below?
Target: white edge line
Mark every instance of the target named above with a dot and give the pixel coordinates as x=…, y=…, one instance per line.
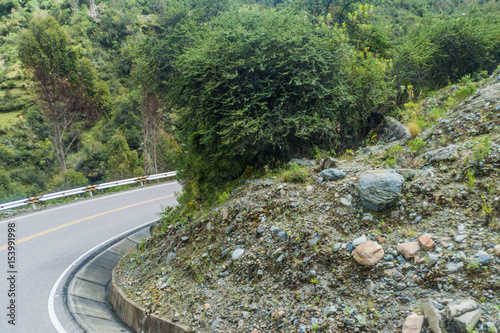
x=52, y=312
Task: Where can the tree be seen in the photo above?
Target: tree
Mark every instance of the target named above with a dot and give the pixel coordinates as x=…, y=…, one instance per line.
x=258, y=88
x=67, y=87
x=122, y=162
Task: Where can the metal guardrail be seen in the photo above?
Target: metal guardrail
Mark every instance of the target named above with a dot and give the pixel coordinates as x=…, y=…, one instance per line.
x=80, y=190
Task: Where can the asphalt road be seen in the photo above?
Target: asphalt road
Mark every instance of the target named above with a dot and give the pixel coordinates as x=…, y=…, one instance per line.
x=50, y=241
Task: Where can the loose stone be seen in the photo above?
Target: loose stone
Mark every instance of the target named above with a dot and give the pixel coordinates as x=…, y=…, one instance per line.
x=368, y=253
x=413, y=323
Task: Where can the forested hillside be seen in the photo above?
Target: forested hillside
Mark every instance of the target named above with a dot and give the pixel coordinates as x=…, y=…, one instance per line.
x=102, y=89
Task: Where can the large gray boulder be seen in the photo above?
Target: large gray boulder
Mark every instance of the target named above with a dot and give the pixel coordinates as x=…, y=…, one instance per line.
x=445, y=154
x=392, y=130
x=380, y=189
x=332, y=174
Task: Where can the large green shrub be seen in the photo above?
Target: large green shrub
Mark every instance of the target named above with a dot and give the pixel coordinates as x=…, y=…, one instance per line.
x=439, y=52
x=259, y=87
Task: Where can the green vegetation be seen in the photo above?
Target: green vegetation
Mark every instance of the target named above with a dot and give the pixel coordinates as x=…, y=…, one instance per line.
x=221, y=90
x=294, y=174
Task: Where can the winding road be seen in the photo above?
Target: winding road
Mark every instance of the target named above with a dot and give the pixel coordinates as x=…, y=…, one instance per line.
x=50, y=242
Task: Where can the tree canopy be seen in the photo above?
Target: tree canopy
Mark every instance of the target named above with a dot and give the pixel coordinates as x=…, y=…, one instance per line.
x=67, y=85
x=216, y=87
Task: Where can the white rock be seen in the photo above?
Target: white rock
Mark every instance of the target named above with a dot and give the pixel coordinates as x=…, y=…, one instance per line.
x=434, y=318
x=237, y=253
x=359, y=240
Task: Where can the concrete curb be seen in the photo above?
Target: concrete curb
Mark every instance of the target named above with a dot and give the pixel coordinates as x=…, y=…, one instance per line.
x=87, y=291
x=138, y=318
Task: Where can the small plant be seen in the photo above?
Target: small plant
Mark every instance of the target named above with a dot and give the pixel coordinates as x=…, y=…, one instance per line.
x=348, y=154
x=392, y=155
x=294, y=174
x=414, y=128
x=466, y=79
x=416, y=145
x=223, y=197
x=474, y=267
x=487, y=209
x=471, y=180
x=347, y=311
x=436, y=113
x=362, y=319
x=465, y=92
x=314, y=280
x=481, y=149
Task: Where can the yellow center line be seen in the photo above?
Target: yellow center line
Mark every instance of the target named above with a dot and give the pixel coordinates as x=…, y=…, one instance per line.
x=84, y=219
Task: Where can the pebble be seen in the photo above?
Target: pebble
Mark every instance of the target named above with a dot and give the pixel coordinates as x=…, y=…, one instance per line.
x=482, y=257
x=359, y=240
x=225, y=252
x=400, y=285
x=170, y=258
x=314, y=241
x=460, y=238
x=454, y=267
x=215, y=323
x=237, y=253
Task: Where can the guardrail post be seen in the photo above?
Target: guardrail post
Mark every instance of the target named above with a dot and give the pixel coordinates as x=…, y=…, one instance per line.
x=34, y=207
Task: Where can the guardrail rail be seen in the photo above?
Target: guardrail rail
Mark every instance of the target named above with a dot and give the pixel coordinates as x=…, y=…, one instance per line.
x=86, y=189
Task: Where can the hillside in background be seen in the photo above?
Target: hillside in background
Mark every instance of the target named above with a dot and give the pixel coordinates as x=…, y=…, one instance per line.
x=224, y=88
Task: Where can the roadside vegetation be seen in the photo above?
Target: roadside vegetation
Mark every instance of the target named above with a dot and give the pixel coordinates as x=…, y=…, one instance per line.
x=220, y=90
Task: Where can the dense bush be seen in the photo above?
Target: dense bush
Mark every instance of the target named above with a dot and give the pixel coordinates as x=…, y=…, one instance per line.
x=440, y=52
x=257, y=88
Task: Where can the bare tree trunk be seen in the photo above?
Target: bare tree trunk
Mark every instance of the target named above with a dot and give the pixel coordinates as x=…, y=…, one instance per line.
x=150, y=119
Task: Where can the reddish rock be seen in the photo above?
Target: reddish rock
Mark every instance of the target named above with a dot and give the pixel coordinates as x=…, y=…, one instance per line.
x=413, y=323
x=224, y=214
x=408, y=250
x=426, y=242
x=381, y=239
x=368, y=253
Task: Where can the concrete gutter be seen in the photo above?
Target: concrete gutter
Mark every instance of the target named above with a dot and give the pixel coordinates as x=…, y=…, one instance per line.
x=99, y=305
x=87, y=291
x=138, y=318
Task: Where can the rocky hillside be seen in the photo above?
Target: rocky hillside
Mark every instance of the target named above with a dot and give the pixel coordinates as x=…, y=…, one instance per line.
x=399, y=236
